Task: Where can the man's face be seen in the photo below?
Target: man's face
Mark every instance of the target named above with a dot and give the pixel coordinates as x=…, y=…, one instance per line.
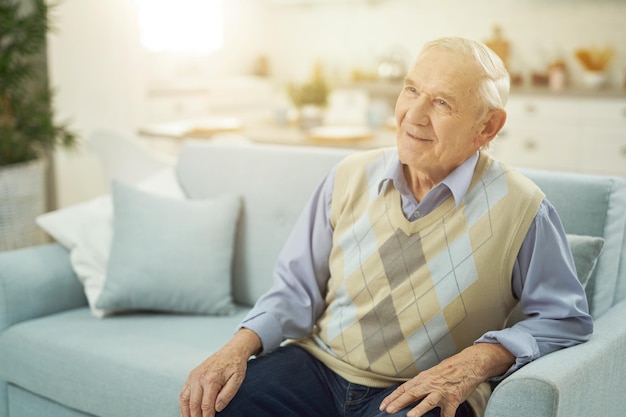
x=437, y=113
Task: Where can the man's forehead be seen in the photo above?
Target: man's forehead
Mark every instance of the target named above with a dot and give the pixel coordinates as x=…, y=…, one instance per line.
x=445, y=71
x=448, y=63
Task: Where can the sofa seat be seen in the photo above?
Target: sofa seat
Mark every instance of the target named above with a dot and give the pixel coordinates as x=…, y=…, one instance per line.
x=134, y=362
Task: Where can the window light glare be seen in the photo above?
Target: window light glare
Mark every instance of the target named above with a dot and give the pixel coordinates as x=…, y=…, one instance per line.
x=193, y=26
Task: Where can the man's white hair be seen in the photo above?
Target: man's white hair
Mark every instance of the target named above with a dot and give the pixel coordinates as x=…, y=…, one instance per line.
x=495, y=85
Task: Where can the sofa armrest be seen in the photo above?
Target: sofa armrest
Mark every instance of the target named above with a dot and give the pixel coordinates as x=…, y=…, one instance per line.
x=584, y=380
x=35, y=282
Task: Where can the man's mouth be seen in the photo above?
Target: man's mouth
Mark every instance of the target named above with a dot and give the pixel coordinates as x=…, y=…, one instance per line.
x=416, y=136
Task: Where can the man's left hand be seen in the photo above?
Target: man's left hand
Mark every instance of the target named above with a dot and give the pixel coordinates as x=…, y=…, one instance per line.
x=451, y=382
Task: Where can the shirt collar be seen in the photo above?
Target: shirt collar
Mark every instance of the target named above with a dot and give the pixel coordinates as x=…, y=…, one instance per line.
x=458, y=181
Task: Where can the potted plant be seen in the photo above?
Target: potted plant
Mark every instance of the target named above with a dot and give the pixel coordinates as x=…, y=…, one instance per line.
x=28, y=131
x=310, y=98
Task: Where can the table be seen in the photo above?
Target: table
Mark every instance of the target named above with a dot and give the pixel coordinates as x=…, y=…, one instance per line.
x=169, y=136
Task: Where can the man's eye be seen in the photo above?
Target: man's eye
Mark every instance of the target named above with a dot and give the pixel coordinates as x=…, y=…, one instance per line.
x=442, y=102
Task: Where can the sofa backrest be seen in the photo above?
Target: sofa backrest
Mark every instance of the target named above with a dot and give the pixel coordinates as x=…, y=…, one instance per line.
x=275, y=183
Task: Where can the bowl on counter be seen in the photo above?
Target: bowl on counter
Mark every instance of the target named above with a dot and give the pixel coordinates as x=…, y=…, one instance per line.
x=594, y=79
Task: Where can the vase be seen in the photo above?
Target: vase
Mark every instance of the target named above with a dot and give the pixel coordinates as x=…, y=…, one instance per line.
x=22, y=199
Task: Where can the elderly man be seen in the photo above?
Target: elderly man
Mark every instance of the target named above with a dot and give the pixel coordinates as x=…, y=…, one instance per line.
x=391, y=294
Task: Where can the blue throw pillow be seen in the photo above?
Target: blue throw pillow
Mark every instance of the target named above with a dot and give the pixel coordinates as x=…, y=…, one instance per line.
x=585, y=250
x=170, y=255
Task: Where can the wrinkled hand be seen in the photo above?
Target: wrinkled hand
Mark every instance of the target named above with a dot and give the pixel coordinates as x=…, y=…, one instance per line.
x=213, y=384
x=451, y=382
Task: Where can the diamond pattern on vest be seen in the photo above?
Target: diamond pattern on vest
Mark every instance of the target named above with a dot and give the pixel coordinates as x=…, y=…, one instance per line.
x=399, y=290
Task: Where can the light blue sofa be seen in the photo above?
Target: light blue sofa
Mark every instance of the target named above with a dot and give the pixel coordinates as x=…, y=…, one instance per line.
x=57, y=359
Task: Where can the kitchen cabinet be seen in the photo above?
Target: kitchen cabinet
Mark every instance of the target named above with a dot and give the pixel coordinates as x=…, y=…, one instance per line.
x=604, y=151
x=579, y=133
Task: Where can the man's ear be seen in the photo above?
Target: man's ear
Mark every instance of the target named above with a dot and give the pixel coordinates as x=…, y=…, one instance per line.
x=493, y=123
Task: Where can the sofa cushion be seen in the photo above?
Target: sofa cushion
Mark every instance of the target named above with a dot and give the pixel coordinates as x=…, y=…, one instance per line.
x=24, y=403
x=128, y=365
x=169, y=254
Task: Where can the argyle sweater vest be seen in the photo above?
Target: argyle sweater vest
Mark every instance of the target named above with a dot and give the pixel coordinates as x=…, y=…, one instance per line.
x=402, y=296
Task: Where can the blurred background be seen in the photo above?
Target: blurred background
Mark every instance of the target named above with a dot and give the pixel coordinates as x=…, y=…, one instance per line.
x=134, y=65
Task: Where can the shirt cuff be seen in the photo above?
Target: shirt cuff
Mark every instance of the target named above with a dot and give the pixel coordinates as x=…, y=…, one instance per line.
x=521, y=344
x=267, y=328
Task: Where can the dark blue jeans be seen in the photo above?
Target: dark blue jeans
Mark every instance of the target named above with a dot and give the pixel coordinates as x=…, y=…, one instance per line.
x=291, y=383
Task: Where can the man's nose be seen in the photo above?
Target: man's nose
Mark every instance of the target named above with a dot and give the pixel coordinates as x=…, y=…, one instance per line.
x=419, y=111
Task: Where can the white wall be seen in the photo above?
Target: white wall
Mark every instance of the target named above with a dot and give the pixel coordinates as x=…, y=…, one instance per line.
x=101, y=73
x=93, y=65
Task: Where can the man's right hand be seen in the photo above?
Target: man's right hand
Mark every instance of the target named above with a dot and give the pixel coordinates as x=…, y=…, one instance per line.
x=213, y=384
